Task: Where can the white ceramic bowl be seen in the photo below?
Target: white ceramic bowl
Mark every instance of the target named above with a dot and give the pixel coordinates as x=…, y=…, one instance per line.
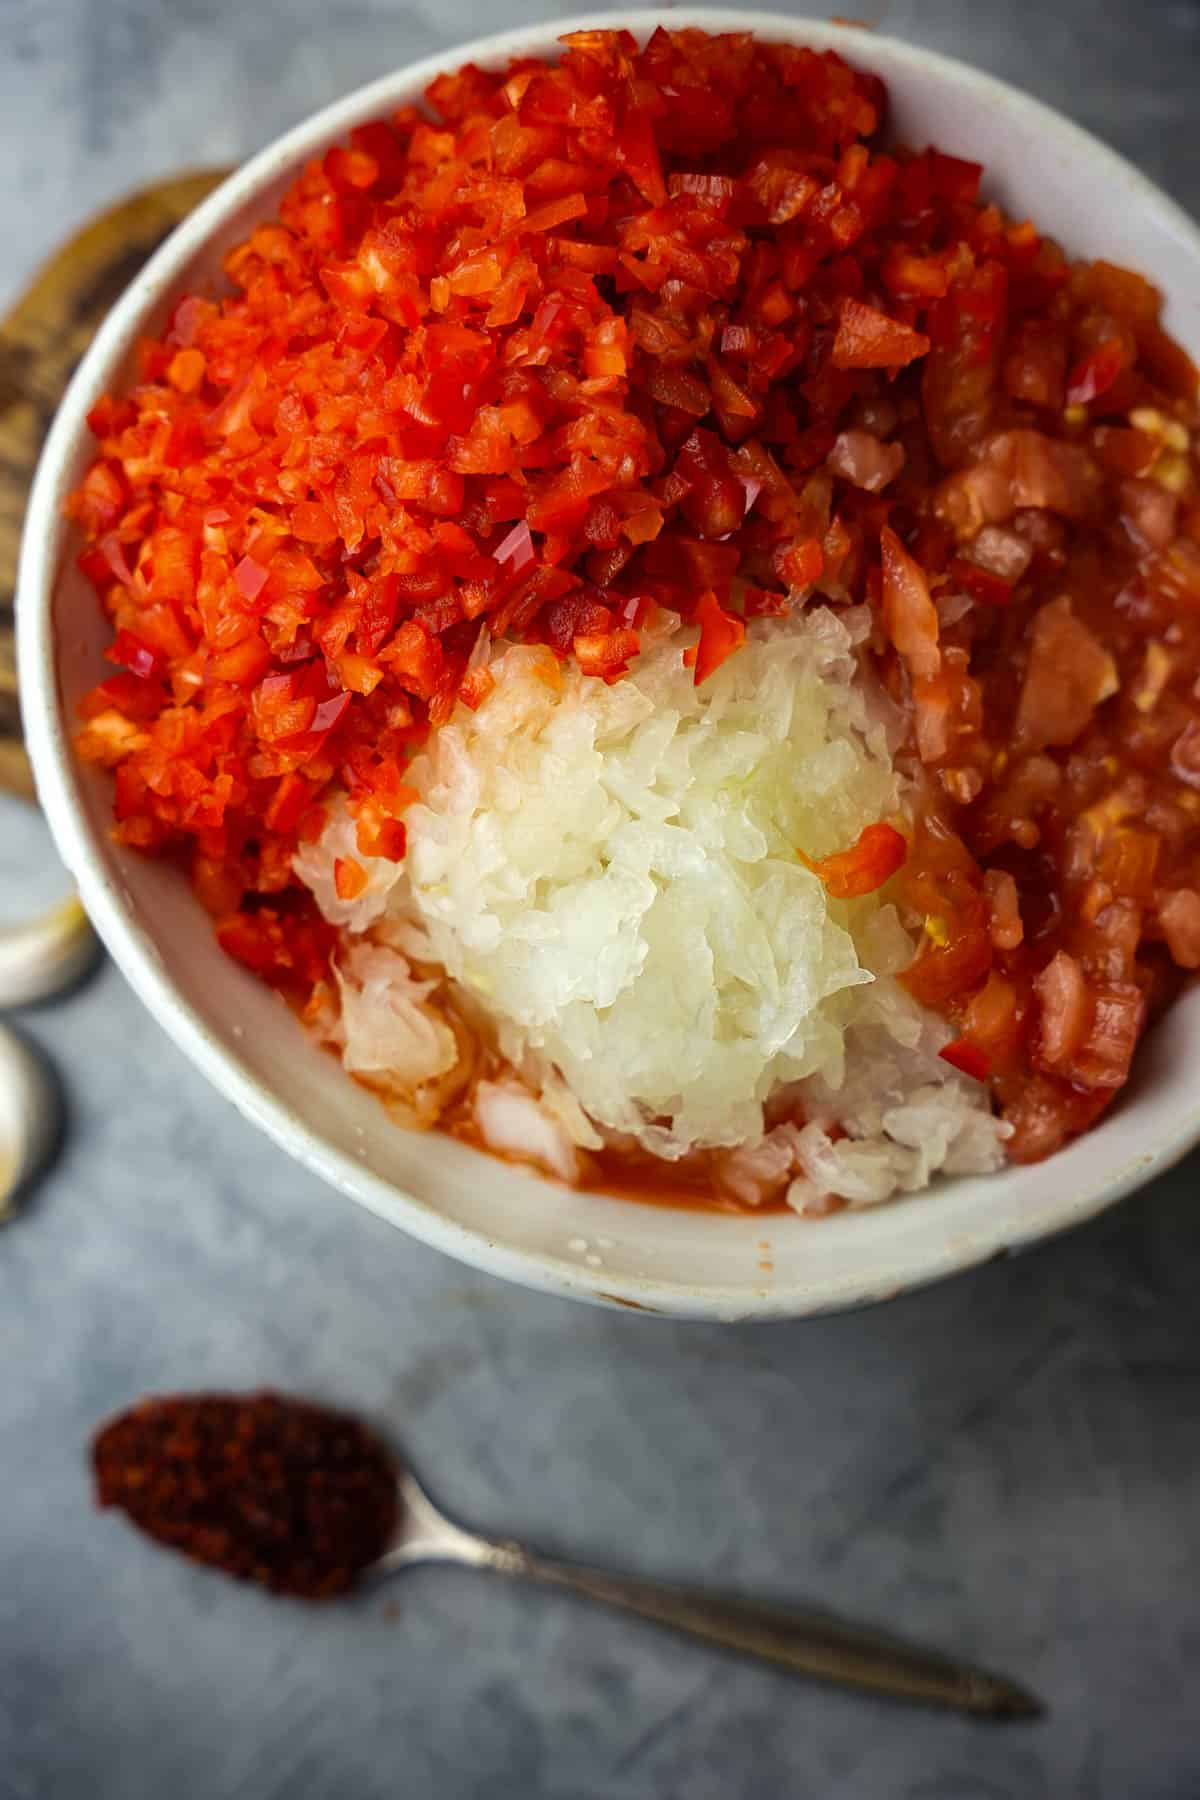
x=499, y=1218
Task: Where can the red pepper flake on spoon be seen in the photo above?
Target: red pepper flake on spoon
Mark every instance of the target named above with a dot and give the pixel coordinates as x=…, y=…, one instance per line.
x=268, y=1489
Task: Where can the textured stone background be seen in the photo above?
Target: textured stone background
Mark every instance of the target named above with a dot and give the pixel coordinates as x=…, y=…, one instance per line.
x=1008, y=1463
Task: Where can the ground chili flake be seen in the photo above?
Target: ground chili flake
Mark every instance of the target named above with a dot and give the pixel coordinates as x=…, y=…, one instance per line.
x=267, y=1488
x=674, y=325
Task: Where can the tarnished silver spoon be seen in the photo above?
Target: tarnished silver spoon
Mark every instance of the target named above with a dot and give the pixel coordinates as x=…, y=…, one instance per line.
x=807, y=1643
x=310, y=1503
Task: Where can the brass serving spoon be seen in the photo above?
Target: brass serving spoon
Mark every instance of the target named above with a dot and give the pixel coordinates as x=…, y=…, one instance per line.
x=805, y=1643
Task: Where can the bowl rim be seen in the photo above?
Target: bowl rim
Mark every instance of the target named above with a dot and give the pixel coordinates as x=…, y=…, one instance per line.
x=132, y=948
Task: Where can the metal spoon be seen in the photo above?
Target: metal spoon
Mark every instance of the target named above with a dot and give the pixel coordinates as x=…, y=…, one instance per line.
x=806, y=1643
x=309, y=1502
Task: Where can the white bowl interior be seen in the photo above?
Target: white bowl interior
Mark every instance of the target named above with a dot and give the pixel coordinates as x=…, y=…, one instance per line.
x=486, y=1213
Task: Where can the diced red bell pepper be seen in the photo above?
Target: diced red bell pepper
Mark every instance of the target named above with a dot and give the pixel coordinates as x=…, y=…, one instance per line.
x=415, y=659
x=251, y=577
x=98, y=502
x=134, y=654
x=874, y=857
x=378, y=835
x=515, y=552
x=954, y=178
x=868, y=339
x=288, y=804
x=721, y=633
x=313, y=523
x=349, y=877
x=244, y=664
x=186, y=371
x=606, y=654
x=1095, y=373
x=967, y=1058
x=355, y=168
x=475, y=687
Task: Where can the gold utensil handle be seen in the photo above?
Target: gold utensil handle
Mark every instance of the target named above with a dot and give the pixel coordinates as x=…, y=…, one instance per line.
x=808, y=1644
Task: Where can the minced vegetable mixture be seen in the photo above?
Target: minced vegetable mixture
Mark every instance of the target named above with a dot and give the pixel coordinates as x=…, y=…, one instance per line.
x=668, y=328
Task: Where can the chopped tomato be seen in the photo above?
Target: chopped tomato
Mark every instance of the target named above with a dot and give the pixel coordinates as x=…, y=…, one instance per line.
x=1069, y=673
x=909, y=613
x=982, y=584
x=1066, y=1005
x=1179, y=915
x=1118, y=1014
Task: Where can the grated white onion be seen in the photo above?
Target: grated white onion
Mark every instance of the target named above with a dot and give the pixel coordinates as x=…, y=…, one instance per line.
x=609, y=876
x=613, y=872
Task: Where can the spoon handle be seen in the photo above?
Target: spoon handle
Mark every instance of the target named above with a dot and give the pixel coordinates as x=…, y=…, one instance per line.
x=806, y=1643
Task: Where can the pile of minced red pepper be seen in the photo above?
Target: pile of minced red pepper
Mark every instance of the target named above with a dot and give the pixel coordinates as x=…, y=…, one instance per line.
x=667, y=327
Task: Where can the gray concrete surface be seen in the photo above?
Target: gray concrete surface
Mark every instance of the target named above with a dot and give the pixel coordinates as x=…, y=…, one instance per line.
x=1009, y=1463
